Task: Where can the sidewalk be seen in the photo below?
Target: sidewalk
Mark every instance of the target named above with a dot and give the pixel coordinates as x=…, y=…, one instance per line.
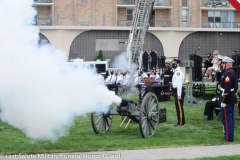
x=146, y=154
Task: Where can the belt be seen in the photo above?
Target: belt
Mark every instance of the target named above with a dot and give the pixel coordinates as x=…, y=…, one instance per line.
x=224, y=89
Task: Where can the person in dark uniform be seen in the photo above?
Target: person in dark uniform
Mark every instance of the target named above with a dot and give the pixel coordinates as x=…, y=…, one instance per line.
x=177, y=84
x=211, y=105
x=168, y=73
x=236, y=62
x=228, y=99
x=215, y=102
x=145, y=60
x=153, y=55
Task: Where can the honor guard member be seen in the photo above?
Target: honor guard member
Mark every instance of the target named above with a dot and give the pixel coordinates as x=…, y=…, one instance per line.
x=229, y=99
x=177, y=84
x=168, y=73
x=125, y=78
x=110, y=82
x=109, y=78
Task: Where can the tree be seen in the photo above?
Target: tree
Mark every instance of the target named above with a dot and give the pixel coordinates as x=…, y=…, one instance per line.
x=100, y=55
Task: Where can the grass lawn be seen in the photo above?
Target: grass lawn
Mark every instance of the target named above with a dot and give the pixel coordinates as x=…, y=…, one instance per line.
x=220, y=158
x=195, y=132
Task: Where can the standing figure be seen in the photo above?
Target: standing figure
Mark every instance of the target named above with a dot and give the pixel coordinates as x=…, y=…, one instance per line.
x=177, y=84
x=145, y=60
x=228, y=99
x=236, y=62
x=168, y=73
x=153, y=55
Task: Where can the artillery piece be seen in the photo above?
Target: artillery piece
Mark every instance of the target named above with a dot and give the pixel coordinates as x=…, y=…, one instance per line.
x=146, y=115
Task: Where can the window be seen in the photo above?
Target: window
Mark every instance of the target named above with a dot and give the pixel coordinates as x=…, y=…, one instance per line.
x=84, y=24
x=184, y=3
x=84, y=1
x=221, y=18
x=184, y=18
x=130, y=13
x=184, y=15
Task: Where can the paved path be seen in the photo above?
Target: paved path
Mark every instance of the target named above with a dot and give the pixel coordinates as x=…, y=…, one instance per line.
x=146, y=154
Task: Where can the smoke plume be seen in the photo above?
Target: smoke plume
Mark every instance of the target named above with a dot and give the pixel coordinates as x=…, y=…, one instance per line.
x=40, y=93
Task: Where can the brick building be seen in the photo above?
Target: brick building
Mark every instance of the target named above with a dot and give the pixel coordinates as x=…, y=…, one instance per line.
x=177, y=27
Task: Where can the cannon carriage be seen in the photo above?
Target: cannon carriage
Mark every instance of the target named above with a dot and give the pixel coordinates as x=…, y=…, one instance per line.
x=146, y=113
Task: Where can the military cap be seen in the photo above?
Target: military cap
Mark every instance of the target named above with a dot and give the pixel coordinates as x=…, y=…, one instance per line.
x=227, y=59
x=177, y=60
x=220, y=57
x=167, y=61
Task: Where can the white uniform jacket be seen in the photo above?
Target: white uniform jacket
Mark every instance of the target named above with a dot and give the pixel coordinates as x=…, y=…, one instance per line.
x=125, y=80
x=109, y=79
x=178, y=80
x=118, y=79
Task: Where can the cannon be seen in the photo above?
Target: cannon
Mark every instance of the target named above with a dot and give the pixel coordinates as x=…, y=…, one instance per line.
x=145, y=114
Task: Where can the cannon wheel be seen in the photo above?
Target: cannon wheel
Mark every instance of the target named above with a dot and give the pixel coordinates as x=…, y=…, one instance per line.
x=149, y=115
x=101, y=122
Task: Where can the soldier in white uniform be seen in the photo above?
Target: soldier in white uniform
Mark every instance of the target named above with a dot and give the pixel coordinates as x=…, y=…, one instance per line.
x=109, y=78
x=177, y=84
x=126, y=78
x=111, y=82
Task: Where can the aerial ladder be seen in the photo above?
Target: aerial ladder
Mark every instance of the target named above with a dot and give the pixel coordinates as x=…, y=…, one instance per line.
x=139, y=27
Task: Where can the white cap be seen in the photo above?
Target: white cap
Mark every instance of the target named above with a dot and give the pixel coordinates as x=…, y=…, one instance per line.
x=167, y=61
x=227, y=59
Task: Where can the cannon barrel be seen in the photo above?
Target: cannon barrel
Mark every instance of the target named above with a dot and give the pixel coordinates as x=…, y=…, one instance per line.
x=126, y=107
x=126, y=101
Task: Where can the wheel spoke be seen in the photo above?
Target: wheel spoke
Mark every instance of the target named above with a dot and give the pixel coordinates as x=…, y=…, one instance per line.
x=144, y=112
x=104, y=125
x=153, y=107
x=99, y=119
x=149, y=103
x=109, y=117
x=107, y=121
x=149, y=128
x=153, y=119
x=100, y=124
x=152, y=102
x=144, y=118
x=152, y=125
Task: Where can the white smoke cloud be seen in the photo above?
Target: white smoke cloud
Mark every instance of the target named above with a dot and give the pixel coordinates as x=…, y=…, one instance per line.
x=121, y=62
x=39, y=93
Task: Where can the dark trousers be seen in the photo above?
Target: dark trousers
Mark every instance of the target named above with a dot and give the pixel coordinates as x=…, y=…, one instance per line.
x=228, y=122
x=179, y=108
x=209, y=107
x=154, y=64
x=145, y=65
x=113, y=86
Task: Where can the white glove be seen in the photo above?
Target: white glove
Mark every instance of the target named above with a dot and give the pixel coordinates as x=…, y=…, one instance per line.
x=223, y=105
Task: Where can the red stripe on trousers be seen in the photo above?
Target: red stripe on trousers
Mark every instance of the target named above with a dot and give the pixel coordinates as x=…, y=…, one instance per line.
x=226, y=123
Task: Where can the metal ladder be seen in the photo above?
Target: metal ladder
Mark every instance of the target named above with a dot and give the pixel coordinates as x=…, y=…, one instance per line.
x=140, y=24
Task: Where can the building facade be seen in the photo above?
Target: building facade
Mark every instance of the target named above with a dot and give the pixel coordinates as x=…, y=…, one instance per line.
x=177, y=27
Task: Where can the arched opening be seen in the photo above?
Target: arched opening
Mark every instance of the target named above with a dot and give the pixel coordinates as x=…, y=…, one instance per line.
x=224, y=42
x=42, y=40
